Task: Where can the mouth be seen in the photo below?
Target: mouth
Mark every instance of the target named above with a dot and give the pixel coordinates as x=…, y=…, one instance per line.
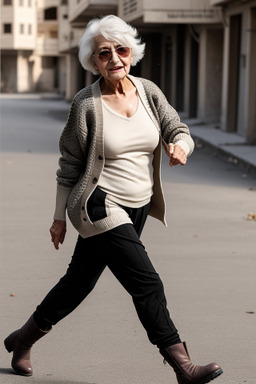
x=117, y=68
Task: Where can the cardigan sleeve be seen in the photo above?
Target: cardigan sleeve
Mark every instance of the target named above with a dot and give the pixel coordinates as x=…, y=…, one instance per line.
x=172, y=129
x=72, y=161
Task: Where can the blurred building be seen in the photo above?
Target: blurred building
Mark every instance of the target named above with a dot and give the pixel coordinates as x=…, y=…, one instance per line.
x=238, y=87
x=18, y=40
x=202, y=53
x=182, y=39
x=29, y=45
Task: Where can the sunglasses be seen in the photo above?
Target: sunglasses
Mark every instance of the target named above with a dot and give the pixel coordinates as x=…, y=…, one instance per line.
x=106, y=55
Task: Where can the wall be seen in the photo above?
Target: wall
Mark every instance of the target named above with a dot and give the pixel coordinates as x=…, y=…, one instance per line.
x=9, y=72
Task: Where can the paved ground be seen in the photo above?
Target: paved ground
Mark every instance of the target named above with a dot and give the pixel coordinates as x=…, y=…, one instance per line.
x=228, y=144
x=206, y=258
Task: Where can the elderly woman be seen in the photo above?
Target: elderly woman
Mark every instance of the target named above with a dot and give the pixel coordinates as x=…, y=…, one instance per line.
x=109, y=181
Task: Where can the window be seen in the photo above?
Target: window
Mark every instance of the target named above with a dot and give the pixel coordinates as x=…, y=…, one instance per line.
x=7, y=2
x=29, y=3
x=22, y=29
x=50, y=13
x=30, y=29
x=21, y=3
x=7, y=28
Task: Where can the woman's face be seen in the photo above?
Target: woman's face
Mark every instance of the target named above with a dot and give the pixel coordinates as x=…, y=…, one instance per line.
x=116, y=67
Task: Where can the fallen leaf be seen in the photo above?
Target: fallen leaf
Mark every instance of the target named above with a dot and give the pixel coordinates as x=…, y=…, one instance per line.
x=251, y=216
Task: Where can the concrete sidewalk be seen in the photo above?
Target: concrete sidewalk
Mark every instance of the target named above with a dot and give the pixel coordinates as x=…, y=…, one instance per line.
x=230, y=144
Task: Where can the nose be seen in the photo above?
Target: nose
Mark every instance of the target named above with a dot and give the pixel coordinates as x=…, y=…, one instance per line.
x=114, y=57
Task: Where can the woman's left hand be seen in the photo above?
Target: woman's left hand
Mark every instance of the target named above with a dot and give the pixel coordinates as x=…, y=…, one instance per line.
x=176, y=154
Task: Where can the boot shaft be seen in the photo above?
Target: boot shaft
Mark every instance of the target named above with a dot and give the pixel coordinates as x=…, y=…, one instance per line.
x=20, y=342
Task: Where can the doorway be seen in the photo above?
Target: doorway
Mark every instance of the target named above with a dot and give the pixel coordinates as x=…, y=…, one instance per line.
x=193, y=89
x=168, y=69
x=180, y=75
x=234, y=72
x=251, y=129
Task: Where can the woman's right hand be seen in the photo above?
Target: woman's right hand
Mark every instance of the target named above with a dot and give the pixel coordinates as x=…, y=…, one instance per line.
x=58, y=232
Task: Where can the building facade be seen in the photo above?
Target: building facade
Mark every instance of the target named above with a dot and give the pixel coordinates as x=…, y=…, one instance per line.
x=238, y=99
x=202, y=53
x=18, y=40
x=29, y=45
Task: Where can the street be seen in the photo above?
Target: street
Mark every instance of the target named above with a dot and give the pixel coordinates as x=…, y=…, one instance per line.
x=206, y=258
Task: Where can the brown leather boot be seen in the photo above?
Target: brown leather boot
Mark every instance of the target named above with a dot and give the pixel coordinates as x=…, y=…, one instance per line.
x=187, y=373
x=20, y=342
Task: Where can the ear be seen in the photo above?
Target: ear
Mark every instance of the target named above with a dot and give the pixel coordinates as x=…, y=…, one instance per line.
x=94, y=65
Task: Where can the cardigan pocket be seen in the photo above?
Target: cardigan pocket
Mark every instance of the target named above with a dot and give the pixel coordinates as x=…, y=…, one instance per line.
x=96, y=206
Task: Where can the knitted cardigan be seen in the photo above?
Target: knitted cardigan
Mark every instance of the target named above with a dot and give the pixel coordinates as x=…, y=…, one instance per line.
x=82, y=152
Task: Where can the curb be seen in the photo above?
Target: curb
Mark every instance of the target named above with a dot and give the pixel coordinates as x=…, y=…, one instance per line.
x=225, y=154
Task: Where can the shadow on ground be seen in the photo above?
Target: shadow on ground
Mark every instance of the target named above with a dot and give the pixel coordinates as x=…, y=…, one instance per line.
x=48, y=380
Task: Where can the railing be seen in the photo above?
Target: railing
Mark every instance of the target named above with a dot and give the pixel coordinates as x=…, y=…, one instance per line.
x=220, y=2
x=169, y=11
x=78, y=8
x=46, y=46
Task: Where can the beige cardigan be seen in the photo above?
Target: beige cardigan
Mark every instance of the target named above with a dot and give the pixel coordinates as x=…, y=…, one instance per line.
x=82, y=150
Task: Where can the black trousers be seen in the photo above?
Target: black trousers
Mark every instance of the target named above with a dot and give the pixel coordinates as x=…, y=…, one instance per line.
x=123, y=252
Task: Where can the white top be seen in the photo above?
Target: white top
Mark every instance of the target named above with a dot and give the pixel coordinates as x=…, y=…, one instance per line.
x=129, y=143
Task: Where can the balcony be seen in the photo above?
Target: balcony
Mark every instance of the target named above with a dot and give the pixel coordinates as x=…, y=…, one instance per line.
x=50, y=3
x=221, y=2
x=68, y=41
x=44, y=4
x=169, y=11
x=47, y=46
x=81, y=11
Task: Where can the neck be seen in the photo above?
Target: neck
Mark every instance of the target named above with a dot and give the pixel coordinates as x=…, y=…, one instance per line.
x=120, y=87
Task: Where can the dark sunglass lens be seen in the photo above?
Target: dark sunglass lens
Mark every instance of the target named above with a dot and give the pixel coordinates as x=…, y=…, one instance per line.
x=123, y=51
x=104, y=55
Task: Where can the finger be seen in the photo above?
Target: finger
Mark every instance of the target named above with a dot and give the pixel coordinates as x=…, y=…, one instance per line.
x=169, y=150
x=184, y=161
x=55, y=240
x=173, y=162
x=62, y=237
x=56, y=244
x=180, y=160
x=174, y=158
x=178, y=156
x=176, y=161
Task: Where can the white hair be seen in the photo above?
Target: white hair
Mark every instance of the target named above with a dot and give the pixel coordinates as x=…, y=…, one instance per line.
x=113, y=29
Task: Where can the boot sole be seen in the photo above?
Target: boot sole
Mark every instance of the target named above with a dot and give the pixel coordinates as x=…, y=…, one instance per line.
x=21, y=373
x=212, y=376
